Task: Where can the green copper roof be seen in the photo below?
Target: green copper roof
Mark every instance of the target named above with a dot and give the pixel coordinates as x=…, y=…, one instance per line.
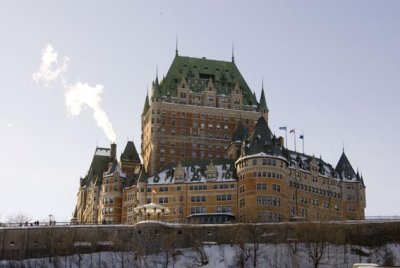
x=240, y=133
x=344, y=167
x=146, y=105
x=156, y=89
x=97, y=167
x=130, y=153
x=197, y=72
x=259, y=138
x=263, y=102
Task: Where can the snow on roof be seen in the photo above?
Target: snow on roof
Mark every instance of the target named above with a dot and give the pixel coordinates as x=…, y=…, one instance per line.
x=151, y=208
x=262, y=154
x=194, y=174
x=210, y=214
x=115, y=168
x=348, y=178
x=102, y=151
x=327, y=170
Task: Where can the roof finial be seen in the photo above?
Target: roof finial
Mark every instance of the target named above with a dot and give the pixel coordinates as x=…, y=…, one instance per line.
x=176, y=46
x=233, y=52
x=262, y=82
x=343, y=147
x=157, y=74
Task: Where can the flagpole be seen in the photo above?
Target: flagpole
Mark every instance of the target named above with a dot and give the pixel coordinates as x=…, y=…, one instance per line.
x=303, y=140
x=286, y=137
x=284, y=128
x=294, y=138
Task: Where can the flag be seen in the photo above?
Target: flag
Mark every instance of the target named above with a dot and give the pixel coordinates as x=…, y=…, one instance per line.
x=282, y=128
x=292, y=131
x=301, y=137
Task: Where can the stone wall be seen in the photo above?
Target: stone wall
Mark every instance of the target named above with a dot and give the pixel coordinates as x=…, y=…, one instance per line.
x=150, y=237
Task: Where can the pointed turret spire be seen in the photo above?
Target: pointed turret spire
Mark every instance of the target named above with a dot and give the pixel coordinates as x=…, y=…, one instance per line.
x=142, y=175
x=233, y=52
x=344, y=168
x=176, y=46
x=156, y=90
x=259, y=138
x=262, y=107
x=157, y=74
x=263, y=102
x=130, y=153
x=156, y=87
x=146, y=104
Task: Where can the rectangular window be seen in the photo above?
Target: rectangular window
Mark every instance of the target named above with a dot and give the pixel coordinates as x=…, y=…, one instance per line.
x=242, y=202
x=261, y=186
x=198, y=198
x=197, y=210
x=276, y=187
x=163, y=200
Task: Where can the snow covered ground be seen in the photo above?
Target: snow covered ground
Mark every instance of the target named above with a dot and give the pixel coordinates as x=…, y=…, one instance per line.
x=226, y=256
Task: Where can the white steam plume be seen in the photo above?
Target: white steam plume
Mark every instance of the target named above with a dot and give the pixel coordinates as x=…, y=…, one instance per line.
x=80, y=96
x=48, y=70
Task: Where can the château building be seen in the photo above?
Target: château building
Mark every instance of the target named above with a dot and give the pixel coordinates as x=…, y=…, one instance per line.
x=209, y=156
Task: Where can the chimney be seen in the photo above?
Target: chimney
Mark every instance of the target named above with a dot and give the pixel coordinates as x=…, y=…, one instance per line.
x=281, y=142
x=113, y=151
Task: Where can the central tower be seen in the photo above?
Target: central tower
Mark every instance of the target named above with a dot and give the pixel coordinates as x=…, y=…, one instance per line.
x=193, y=112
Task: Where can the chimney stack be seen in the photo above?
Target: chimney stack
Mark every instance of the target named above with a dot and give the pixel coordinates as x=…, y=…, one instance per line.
x=281, y=141
x=113, y=152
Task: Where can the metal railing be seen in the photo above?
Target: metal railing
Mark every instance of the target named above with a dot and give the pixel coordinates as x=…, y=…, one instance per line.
x=55, y=223
x=382, y=218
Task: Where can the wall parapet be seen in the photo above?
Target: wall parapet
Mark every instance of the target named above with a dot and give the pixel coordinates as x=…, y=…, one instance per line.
x=17, y=243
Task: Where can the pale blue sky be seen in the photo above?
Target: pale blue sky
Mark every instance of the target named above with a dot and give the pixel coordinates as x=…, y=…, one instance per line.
x=330, y=68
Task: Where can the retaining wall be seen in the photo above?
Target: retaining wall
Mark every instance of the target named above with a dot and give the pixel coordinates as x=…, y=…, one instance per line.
x=150, y=237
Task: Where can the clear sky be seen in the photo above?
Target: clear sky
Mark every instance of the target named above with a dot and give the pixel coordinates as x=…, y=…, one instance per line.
x=330, y=69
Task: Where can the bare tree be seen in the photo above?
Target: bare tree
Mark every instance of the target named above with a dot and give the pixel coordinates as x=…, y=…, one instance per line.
x=139, y=251
x=168, y=247
x=243, y=253
x=123, y=258
x=197, y=246
x=316, y=238
x=19, y=218
x=255, y=236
